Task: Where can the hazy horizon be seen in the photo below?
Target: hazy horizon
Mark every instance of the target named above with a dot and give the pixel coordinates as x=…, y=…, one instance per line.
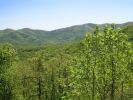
x=55, y=14
x=60, y=27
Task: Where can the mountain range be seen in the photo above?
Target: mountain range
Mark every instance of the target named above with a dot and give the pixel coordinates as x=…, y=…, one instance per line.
x=64, y=35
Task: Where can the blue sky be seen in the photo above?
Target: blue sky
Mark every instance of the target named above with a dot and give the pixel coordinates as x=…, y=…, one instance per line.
x=54, y=14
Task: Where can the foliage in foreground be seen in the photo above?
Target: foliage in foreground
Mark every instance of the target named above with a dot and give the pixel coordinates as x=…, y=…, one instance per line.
x=105, y=66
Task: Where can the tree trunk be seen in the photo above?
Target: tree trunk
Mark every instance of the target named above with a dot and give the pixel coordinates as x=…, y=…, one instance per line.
x=113, y=81
x=93, y=88
x=39, y=89
x=122, y=88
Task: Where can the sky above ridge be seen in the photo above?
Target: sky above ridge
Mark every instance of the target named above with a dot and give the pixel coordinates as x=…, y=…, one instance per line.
x=54, y=14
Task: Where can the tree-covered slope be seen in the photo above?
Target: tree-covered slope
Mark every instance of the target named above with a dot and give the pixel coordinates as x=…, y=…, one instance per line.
x=64, y=35
x=129, y=31
x=22, y=36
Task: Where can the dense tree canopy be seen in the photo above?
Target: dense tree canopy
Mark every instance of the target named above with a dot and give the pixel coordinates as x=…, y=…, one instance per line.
x=99, y=68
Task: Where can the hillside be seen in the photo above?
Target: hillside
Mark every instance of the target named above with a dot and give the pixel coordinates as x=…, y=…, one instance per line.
x=129, y=31
x=64, y=35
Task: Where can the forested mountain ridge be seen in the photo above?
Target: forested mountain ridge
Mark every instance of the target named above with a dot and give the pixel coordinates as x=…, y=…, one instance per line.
x=64, y=35
x=129, y=31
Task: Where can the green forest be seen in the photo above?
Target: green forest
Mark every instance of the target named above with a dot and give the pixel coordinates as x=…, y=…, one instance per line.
x=96, y=66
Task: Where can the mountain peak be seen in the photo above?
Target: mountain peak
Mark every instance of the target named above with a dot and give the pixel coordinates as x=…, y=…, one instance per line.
x=25, y=29
x=8, y=30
